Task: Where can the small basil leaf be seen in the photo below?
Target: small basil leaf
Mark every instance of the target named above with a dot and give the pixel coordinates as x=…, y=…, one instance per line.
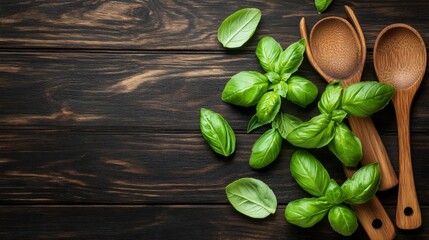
x=331, y=98
x=309, y=173
x=239, y=27
x=343, y=220
x=245, y=88
x=306, y=212
x=316, y=133
x=217, y=132
x=301, y=91
x=365, y=98
x=285, y=76
x=253, y=124
x=338, y=115
x=322, y=5
x=334, y=194
x=251, y=197
x=281, y=89
x=268, y=107
x=291, y=58
x=346, y=146
x=273, y=77
x=363, y=184
x=285, y=123
x=266, y=149
x=267, y=51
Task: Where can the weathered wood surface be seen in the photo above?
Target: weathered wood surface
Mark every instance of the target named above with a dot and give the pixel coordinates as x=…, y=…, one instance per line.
x=99, y=103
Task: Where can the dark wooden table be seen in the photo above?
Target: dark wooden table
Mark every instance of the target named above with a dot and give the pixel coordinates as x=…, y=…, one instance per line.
x=99, y=118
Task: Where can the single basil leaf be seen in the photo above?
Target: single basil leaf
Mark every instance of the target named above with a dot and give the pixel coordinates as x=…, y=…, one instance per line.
x=239, y=27
x=301, y=91
x=331, y=98
x=268, y=107
x=346, y=146
x=322, y=5
x=338, y=115
x=273, y=77
x=316, y=133
x=309, y=173
x=334, y=194
x=285, y=123
x=266, y=149
x=253, y=124
x=251, y=197
x=343, y=220
x=281, y=89
x=217, y=132
x=306, y=212
x=363, y=184
x=365, y=98
x=291, y=58
x=285, y=76
x=245, y=88
x=267, y=51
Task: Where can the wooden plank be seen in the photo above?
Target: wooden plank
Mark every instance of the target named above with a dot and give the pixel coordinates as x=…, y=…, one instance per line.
x=143, y=91
x=126, y=167
x=172, y=24
x=163, y=222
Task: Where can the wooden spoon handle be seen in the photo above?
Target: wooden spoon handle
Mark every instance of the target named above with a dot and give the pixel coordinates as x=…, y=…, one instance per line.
x=408, y=215
x=373, y=150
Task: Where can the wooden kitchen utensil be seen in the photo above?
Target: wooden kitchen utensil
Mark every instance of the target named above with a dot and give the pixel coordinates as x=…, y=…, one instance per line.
x=400, y=59
x=337, y=52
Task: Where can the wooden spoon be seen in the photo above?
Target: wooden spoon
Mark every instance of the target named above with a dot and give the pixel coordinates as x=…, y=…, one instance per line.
x=400, y=59
x=339, y=54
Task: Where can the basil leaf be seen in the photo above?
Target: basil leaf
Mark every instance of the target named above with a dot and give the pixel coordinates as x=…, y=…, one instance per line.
x=309, y=173
x=267, y=51
x=365, y=98
x=253, y=124
x=217, y=132
x=338, y=115
x=301, y=91
x=273, y=77
x=322, y=5
x=268, y=107
x=363, y=184
x=285, y=123
x=291, y=58
x=346, y=146
x=334, y=194
x=239, y=27
x=281, y=89
x=331, y=98
x=266, y=149
x=306, y=212
x=343, y=220
x=251, y=197
x=316, y=133
x=245, y=88
x=285, y=76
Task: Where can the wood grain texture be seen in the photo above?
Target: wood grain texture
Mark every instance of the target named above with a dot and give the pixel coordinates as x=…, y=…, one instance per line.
x=162, y=222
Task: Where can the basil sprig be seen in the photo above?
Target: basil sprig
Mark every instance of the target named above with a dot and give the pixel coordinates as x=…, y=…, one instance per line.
x=310, y=174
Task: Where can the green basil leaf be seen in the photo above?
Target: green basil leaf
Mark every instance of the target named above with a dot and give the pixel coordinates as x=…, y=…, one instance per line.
x=363, y=184
x=266, y=149
x=273, y=77
x=291, y=58
x=281, y=89
x=217, y=132
x=334, y=194
x=253, y=124
x=285, y=123
x=309, y=173
x=306, y=212
x=285, y=76
x=365, y=98
x=322, y=5
x=239, y=27
x=268, y=107
x=338, y=115
x=245, y=88
x=251, y=197
x=316, y=133
x=343, y=220
x=331, y=98
x=346, y=146
x=301, y=91
x=267, y=51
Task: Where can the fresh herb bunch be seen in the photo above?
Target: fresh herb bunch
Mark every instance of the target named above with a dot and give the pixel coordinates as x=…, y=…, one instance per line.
x=329, y=196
